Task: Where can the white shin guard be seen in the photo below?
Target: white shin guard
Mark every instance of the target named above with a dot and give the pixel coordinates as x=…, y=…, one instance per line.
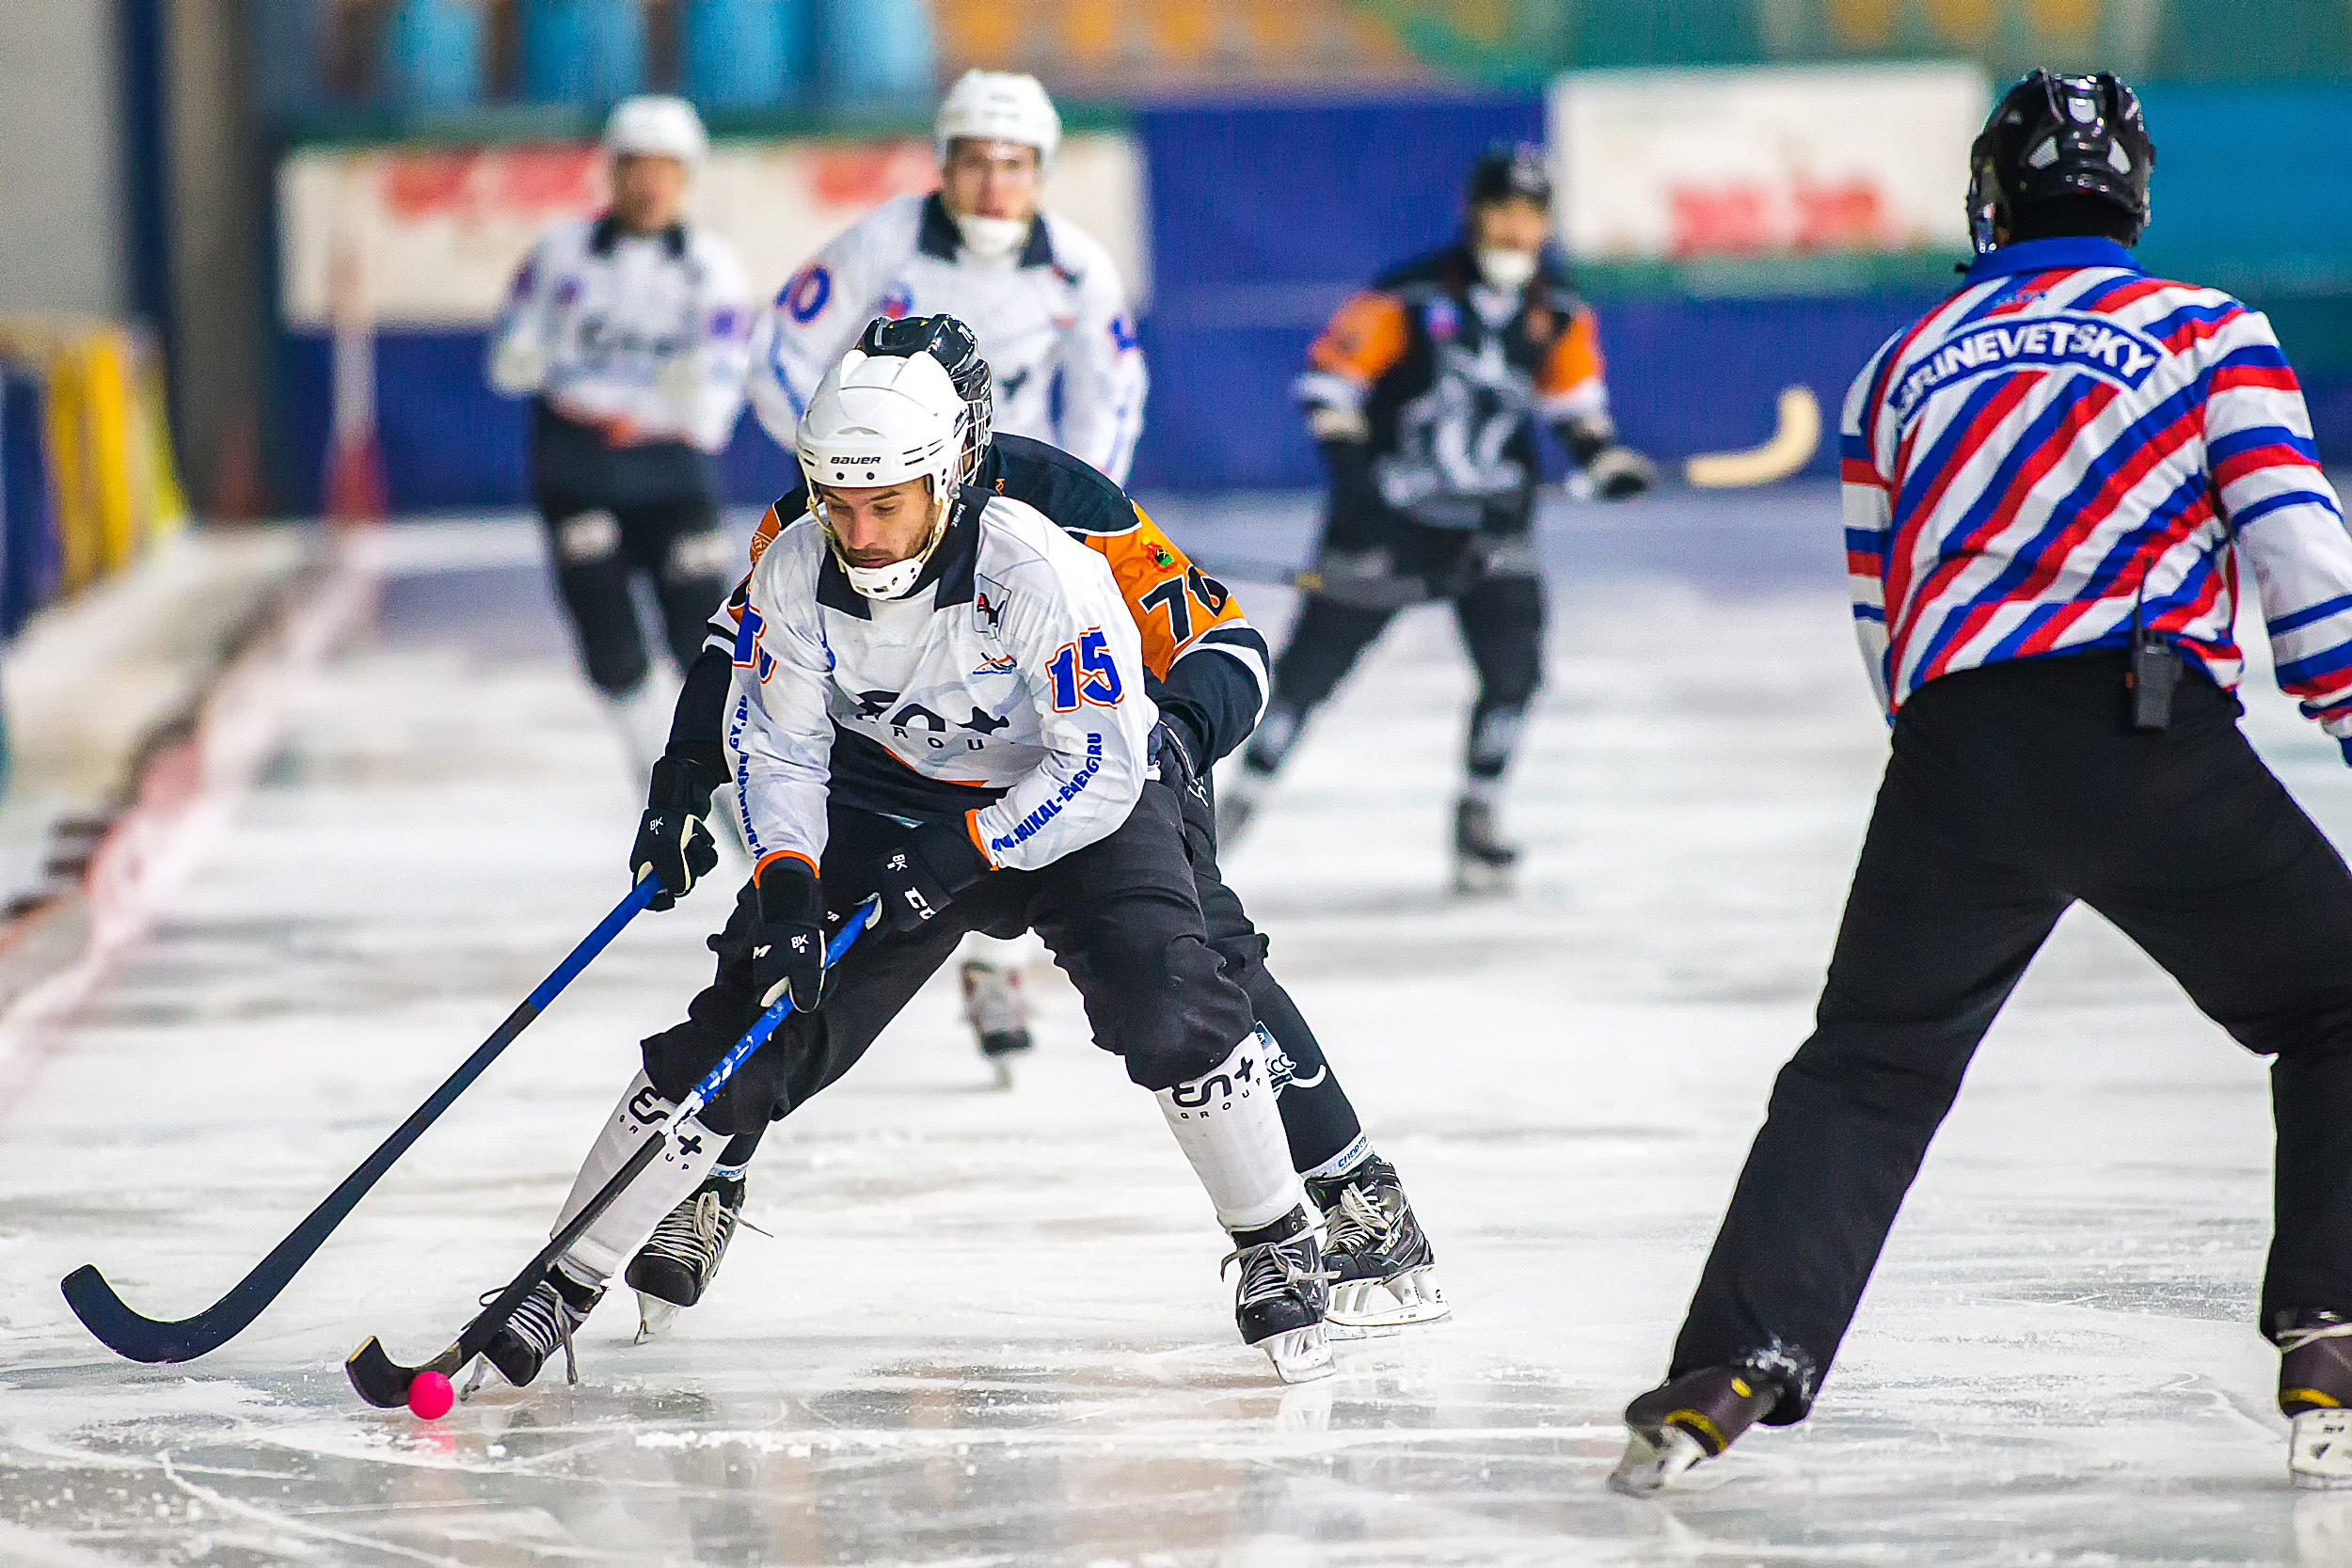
x=1225, y=1123
x=622, y=1229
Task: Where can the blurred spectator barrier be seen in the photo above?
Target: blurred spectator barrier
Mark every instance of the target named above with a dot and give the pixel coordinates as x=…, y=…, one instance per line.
x=1738, y=230
x=337, y=67
x=89, y=481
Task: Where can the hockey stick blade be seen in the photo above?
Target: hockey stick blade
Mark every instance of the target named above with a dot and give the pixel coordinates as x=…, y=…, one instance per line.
x=137, y=1337
x=1796, y=436
x=383, y=1382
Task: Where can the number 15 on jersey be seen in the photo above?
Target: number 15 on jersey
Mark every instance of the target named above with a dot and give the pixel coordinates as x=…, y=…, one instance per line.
x=1084, y=671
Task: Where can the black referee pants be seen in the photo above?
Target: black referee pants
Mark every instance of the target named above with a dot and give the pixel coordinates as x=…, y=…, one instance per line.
x=2013, y=791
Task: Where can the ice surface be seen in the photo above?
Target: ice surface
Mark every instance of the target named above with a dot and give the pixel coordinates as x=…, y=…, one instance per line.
x=987, y=1328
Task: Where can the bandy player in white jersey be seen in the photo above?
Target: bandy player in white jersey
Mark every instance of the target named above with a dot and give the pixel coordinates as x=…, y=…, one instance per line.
x=1052, y=317
x=940, y=700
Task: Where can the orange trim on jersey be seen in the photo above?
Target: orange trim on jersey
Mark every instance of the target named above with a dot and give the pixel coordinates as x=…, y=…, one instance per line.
x=1367, y=335
x=1146, y=562
x=764, y=535
x=1575, y=359
x=972, y=826
x=773, y=855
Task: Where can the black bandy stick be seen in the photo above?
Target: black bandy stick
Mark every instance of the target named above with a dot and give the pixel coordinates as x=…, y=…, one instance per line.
x=383, y=1382
x=143, y=1338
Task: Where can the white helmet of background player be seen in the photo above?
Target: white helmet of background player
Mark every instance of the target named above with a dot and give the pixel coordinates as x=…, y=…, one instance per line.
x=883, y=419
x=654, y=126
x=996, y=113
x=998, y=105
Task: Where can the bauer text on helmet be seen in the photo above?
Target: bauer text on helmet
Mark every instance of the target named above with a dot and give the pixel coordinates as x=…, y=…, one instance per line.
x=882, y=423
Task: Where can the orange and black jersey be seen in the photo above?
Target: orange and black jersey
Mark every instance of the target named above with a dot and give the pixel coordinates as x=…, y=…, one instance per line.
x=1448, y=376
x=1207, y=666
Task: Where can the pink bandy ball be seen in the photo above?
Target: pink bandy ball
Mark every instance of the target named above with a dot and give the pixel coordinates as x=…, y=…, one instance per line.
x=430, y=1396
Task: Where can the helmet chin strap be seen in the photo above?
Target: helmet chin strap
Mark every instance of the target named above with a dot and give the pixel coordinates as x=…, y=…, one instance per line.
x=898, y=580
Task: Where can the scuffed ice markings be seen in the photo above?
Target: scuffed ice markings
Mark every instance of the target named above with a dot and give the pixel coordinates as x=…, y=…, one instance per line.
x=989, y=1329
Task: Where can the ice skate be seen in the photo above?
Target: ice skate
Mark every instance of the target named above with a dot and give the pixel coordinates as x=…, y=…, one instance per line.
x=999, y=1013
x=546, y=1321
x=2314, y=1392
x=1692, y=1418
x=679, y=1261
x=1383, y=1271
x=1280, y=1302
x=1483, y=862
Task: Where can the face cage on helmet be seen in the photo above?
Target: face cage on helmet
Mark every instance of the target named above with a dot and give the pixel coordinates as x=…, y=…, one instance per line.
x=943, y=503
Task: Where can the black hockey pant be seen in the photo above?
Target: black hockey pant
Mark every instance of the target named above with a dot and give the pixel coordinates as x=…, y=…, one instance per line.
x=1120, y=916
x=1502, y=620
x=1317, y=1118
x=2013, y=791
x=598, y=546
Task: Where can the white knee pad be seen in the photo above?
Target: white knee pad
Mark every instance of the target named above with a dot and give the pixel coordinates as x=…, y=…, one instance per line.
x=1225, y=1123
x=622, y=1229
x=587, y=536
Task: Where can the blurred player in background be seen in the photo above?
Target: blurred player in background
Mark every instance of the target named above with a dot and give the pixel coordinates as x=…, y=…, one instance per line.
x=1053, y=321
x=2052, y=481
x=1424, y=394
x=1205, y=670
x=630, y=332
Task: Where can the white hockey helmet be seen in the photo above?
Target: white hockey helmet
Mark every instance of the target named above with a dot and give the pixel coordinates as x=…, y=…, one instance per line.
x=882, y=420
x=653, y=125
x=998, y=105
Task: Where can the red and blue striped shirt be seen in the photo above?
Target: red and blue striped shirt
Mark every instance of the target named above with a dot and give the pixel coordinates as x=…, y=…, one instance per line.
x=2068, y=448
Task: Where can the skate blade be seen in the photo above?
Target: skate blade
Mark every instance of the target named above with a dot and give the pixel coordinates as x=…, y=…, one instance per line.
x=2319, y=1450
x=1001, y=1071
x=1477, y=879
x=1362, y=1309
x=1652, y=1465
x=654, y=1317
x=1299, y=1355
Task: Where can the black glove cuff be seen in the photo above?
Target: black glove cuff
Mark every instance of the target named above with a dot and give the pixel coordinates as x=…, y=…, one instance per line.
x=1583, y=441
x=788, y=894
x=680, y=782
x=948, y=852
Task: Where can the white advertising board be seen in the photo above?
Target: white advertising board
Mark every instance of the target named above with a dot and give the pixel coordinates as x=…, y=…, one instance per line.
x=1670, y=165
x=429, y=238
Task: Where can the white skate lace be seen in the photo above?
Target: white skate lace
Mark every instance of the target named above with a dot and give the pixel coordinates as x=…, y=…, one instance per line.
x=693, y=1232
x=2296, y=1339
x=1268, y=1270
x=544, y=1320
x=1362, y=1225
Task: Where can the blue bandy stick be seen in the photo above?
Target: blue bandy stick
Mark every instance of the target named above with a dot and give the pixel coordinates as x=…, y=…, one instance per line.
x=143, y=1338
x=384, y=1383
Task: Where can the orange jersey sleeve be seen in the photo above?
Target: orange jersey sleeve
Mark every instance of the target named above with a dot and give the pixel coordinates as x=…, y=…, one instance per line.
x=1366, y=337
x=1574, y=362
x=1172, y=600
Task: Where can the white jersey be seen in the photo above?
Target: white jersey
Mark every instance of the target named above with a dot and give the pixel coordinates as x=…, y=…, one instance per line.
x=1006, y=689
x=1056, y=312
x=654, y=329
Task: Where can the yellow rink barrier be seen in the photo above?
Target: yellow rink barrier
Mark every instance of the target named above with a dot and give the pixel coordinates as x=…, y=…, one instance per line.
x=114, y=487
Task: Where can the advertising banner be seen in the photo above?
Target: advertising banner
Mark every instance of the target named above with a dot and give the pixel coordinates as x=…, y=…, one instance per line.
x=430, y=237
x=1764, y=163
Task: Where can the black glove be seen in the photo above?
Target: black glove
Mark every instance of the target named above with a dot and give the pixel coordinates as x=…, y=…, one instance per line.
x=922, y=877
x=671, y=837
x=788, y=946
x=1617, y=472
